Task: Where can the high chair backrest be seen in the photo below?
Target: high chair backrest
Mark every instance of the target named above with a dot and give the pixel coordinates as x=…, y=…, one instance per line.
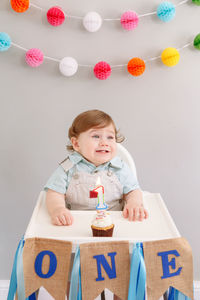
x=126, y=156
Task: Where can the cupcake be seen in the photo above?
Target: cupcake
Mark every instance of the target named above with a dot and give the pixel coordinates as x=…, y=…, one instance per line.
x=102, y=224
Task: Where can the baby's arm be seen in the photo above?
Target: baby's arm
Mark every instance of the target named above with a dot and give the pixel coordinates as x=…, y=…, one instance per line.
x=134, y=209
x=59, y=214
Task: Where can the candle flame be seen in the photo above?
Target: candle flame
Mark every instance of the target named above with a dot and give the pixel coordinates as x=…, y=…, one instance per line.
x=98, y=181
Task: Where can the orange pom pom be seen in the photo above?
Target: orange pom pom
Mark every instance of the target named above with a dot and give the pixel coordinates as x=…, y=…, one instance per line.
x=136, y=66
x=20, y=5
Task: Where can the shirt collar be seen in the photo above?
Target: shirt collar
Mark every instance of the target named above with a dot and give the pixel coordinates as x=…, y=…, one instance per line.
x=76, y=157
x=116, y=162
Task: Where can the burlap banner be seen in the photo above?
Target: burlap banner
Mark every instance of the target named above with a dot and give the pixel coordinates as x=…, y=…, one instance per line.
x=46, y=263
x=104, y=265
x=168, y=263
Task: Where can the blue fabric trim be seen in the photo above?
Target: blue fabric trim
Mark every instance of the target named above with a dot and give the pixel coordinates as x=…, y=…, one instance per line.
x=17, y=276
x=79, y=286
x=75, y=277
x=32, y=297
x=20, y=275
x=174, y=294
x=13, y=279
x=137, y=274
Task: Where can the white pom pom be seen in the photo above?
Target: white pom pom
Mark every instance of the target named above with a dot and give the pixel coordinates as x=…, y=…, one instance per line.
x=68, y=66
x=92, y=21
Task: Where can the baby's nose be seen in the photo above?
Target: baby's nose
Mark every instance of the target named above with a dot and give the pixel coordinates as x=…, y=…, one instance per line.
x=103, y=142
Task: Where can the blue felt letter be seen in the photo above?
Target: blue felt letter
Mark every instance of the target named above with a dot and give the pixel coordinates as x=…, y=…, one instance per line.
x=52, y=264
x=111, y=271
x=166, y=263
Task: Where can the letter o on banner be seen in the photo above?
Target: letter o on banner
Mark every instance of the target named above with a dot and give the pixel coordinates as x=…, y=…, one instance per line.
x=52, y=264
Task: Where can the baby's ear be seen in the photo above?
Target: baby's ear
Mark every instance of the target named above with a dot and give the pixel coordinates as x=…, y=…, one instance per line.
x=74, y=142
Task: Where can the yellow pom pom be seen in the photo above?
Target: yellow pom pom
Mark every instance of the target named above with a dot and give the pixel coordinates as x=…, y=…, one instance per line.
x=170, y=57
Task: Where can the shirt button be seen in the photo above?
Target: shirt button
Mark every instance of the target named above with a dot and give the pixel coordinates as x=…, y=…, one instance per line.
x=69, y=206
x=109, y=173
x=96, y=171
x=75, y=176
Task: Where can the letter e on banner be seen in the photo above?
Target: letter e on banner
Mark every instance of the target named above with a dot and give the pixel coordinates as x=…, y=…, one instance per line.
x=168, y=263
x=172, y=263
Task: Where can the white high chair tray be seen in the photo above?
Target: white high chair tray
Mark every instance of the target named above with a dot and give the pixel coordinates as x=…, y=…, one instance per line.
x=158, y=226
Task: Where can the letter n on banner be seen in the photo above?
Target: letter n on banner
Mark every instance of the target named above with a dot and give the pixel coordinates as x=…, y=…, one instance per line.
x=105, y=265
x=46, y=263
x=168, y=263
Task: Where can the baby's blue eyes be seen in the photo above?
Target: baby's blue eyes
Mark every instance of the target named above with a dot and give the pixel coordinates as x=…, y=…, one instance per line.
x=97, y=137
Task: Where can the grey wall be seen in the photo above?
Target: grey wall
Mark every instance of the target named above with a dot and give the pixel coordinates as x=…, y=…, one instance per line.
x=157, y=112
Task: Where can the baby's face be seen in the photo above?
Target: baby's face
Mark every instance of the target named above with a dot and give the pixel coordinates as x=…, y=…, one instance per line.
x=97, y=145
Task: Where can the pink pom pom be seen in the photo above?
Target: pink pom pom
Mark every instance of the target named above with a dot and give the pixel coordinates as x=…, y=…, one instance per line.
x=102, y=70
x=55, y=16
x=129, y=20
x=34, y=57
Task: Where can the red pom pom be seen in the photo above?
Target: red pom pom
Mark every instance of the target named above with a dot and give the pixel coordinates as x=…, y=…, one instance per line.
x=55, y=16
x=102, y=70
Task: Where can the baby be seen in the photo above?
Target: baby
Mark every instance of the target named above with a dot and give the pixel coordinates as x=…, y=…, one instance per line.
x=92, y=154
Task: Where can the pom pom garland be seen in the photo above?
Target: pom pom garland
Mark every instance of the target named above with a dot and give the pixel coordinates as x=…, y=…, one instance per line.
x=92, y=21
x=5, y=41
x=34, y=57
x=102, y=70
x=68, y=66
x=20, y=6
x=170, y=57
x=197, y=2
x=55, y=16
x=136, y=66
x=196, y=42
x=166, y=11
x=129, y=20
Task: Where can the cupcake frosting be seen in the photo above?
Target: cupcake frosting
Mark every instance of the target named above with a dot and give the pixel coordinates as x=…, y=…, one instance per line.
x=102, y=219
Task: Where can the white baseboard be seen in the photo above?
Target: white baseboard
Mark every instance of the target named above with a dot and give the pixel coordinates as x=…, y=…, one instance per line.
x=4, y=285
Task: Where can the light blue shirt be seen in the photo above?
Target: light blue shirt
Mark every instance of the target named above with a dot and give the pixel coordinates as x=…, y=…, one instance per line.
x=59, y=180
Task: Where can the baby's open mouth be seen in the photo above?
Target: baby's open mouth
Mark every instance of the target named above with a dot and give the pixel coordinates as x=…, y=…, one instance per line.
x=102, y=151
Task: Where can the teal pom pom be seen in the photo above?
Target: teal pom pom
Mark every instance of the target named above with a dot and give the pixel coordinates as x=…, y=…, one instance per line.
x=197, y=42
x=166, y=11
x=5, y=41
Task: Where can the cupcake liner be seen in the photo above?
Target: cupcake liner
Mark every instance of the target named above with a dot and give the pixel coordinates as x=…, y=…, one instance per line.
x=102, y=231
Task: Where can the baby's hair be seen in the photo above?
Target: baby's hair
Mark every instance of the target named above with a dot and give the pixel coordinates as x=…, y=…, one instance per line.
x=89, y=119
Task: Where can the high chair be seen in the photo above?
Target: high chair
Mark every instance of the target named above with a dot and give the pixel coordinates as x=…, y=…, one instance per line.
x=158, y=226
x=126, y=156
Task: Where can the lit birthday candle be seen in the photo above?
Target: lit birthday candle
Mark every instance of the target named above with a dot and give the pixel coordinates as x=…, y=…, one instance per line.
x=98, y=192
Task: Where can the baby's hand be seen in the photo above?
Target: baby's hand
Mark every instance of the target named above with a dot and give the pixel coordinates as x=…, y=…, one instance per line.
x=62, y=216
x=135, y=212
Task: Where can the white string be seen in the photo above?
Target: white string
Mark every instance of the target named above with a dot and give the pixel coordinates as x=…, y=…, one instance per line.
x=86, y=66
x=148, y=14
x=109, y=19
x=91, y=66
x=35, y=6
x=187, y=45
x=180, y=3
x=51, y=58
x=18, y=46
